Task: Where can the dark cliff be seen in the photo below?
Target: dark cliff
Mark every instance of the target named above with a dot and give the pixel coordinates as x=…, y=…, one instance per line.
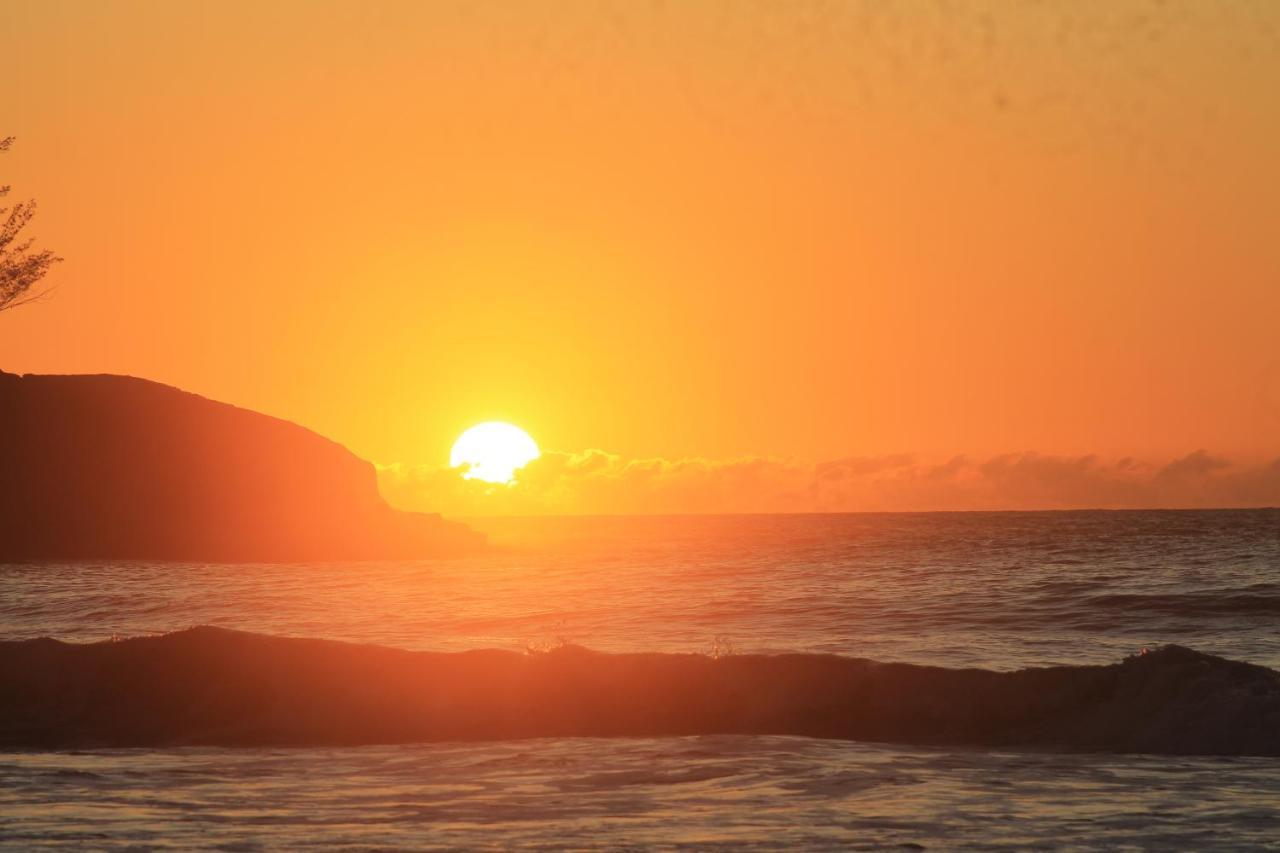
x=118, y=467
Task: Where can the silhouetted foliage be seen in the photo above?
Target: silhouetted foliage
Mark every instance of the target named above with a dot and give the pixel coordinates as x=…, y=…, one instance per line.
x=20, y=267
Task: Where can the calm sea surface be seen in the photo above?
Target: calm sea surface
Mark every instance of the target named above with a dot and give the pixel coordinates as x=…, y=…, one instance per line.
x=997, y=590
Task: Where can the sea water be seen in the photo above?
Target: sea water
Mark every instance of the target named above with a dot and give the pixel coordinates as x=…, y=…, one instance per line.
x=995, y=590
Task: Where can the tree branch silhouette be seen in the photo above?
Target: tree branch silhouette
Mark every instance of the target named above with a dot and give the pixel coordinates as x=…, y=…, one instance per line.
x=21, y=268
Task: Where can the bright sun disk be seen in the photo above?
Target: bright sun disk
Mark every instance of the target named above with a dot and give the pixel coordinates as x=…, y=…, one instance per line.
x=493, y=452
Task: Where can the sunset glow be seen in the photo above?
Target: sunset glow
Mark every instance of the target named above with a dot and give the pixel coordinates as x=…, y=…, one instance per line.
x=493, y=452
x=685, y=241
x=903, y=374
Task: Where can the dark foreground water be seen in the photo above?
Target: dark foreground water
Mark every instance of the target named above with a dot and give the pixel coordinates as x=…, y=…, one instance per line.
x=1001, y=591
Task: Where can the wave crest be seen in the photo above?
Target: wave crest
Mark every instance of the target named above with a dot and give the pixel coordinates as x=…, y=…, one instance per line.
x=213, y=686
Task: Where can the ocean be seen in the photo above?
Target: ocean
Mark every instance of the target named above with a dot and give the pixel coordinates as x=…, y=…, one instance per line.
x=999, y=591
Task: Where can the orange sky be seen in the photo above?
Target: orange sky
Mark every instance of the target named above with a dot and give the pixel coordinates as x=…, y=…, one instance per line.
x=712, y=230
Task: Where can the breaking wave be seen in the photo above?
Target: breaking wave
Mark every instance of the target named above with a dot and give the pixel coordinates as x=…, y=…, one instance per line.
x=212, y=686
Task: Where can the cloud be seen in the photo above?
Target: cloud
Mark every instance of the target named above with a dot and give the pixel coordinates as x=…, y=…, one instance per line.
x=596, y=482
x=1198, y=464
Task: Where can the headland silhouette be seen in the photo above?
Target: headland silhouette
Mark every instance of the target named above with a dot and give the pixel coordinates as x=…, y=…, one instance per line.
x=115, y=467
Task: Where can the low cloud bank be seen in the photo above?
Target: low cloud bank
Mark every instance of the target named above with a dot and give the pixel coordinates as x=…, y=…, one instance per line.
x=604, y=483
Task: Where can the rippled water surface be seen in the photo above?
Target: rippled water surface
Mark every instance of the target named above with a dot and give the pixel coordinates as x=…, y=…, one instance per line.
x=999, y=590
x=994, y=590
x=718, y=791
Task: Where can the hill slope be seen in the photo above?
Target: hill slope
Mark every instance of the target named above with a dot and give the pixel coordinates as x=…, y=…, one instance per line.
x=101, y=467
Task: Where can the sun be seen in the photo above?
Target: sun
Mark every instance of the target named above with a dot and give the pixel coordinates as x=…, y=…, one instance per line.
x=494, y=451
